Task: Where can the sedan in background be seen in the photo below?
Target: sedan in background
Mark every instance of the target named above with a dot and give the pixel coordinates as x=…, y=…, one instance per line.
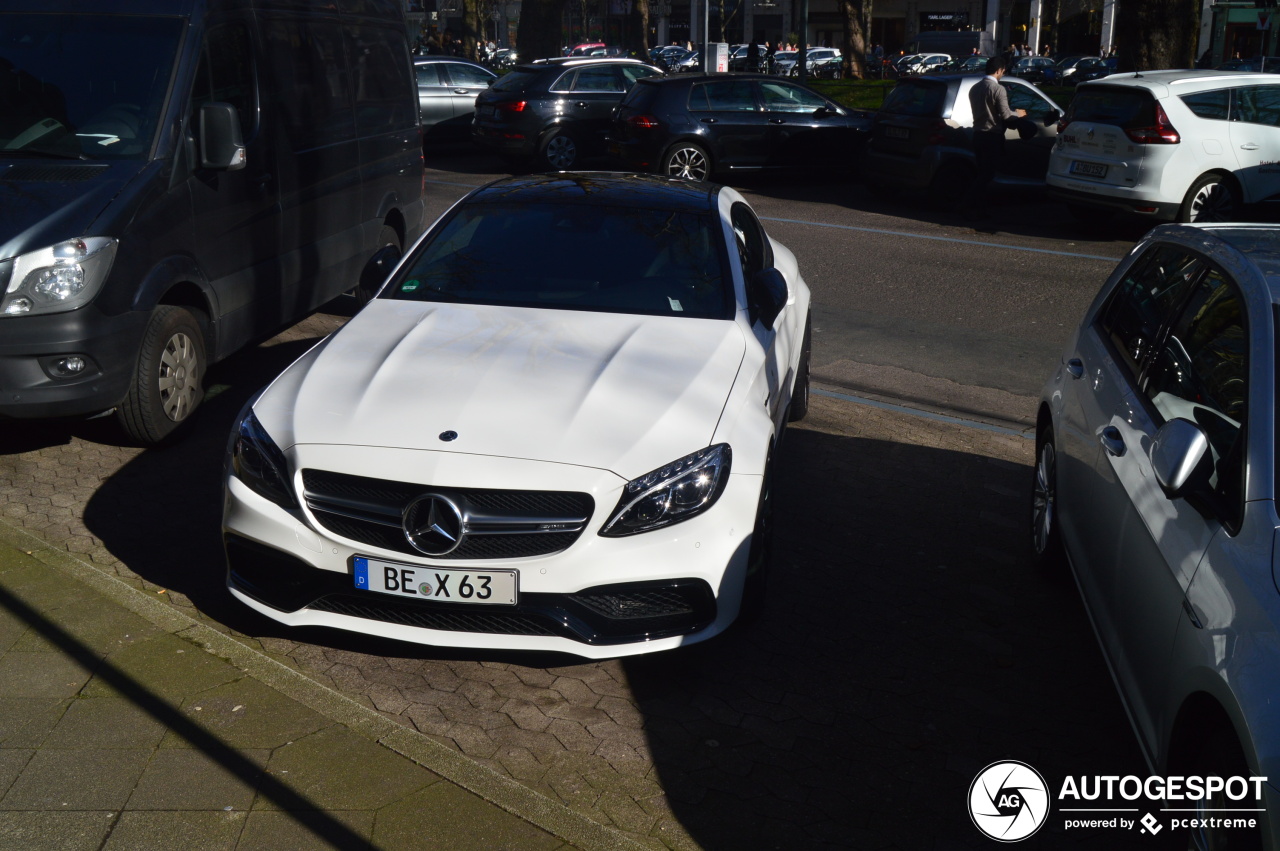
x=505, y=450
x=1156, y=479
x=447, y=92
x=700, y=126
x=1035, y=69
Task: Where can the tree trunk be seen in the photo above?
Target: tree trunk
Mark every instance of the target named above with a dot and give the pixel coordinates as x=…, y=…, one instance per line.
x=1157, y=34
x=470, y=29
x=638, y=31
x=855, y=13
x=538, y=35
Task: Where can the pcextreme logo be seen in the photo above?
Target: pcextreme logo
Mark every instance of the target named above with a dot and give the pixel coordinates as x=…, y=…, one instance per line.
x=1009, y=801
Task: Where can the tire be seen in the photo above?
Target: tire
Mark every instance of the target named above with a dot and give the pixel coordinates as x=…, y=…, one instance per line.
x=949, y=186
x=1046, y=540
x=760, y=556
x=560, y=150
x=686, y=161
x=799, y=407
x=167, y=381
x=1218, y=754
x=379, y=266
x=1212, y=198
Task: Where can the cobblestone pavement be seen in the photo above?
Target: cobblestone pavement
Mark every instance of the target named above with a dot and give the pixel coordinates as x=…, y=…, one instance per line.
x=907, y=644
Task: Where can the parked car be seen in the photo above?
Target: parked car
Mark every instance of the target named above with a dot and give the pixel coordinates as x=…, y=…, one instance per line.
x=506, y=57
x=1065, y=70
x=447, y=91
x=921, y=139
x=694, y=127
x=1156, y=478
x=504, y=450
x=557, y=112
x=819, y=61
x=922, y=63
x=580, y=50
x=178, y=184
x=1092, y=68
x=689, y=62
x=1035, y=69
x=961, y=65
x=1257, y=63
x=1160, y=144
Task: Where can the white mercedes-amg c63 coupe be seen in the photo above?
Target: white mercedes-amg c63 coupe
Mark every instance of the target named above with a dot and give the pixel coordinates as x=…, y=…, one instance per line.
x=551, y=430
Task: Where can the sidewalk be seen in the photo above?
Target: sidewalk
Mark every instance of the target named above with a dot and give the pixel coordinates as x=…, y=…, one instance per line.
x=125, y=725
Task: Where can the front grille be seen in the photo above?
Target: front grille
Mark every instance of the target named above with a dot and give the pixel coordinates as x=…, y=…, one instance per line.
x=659, y=603
x=389, y=611
x=370, y=510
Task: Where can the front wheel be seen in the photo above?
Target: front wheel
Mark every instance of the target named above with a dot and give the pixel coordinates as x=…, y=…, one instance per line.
x=800, y=390
x=1046, y=541
x=760, y=555
x=1212, y=198
x=687, y=161
x=167, y=381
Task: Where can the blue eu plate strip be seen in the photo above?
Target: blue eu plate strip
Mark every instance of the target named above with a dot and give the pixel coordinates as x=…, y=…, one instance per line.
x=362, y=573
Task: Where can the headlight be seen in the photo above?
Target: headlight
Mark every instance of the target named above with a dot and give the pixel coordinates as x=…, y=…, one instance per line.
x=58, y=278
x=671, y=494
x=259, y=463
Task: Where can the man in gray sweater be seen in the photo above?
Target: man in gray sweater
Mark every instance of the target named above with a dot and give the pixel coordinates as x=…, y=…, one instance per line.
x=990, y=105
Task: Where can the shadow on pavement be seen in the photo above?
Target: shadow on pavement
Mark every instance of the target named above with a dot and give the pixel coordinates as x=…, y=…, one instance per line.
x=907, y=644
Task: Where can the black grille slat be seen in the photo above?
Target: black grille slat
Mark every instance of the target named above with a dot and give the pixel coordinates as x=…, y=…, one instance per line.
x=334, y=497
x=513, y=623
x=636, y=604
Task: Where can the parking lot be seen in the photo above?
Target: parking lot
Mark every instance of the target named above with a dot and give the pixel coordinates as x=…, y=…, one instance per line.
x=908, y=641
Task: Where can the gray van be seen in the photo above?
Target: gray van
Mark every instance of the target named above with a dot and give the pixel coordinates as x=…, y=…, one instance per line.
x=179, y=178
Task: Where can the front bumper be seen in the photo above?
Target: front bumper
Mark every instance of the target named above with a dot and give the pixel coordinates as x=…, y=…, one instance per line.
x=597, y=598
x=29, y=345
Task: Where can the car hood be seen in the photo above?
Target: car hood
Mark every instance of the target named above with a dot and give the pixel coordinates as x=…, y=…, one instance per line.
x=43, y=202
x=617, y=392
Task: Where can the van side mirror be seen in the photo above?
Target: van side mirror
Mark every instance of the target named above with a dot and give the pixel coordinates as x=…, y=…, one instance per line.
x=1180, y=457
x=221, y=143
x=766, y=296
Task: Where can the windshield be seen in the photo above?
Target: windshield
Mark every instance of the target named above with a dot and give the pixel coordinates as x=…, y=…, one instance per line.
x=83, y=86
x=911, y=97
x=516, y=81
x=574, y=257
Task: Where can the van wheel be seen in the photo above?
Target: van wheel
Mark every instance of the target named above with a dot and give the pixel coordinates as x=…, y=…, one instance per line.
x=167, y=381
x=1212, y=198
x=560, y=150
x=379, y=266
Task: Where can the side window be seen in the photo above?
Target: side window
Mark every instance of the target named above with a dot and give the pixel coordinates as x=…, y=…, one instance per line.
x=465, y=75
x=598, y=79
x=384, y=92
x=309, y=65
x=1145, y=300
x=1256, y=105
x=1023, y=97
x=1209, y=104
x=723, y=96
x=1201, y=374
x=631, y=73
x=429, y=75
x=783, y=97
x=564, y=83
x=226, y=75
x=753, y=246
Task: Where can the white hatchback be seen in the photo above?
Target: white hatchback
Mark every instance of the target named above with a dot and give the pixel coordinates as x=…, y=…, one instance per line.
x=1188, y=146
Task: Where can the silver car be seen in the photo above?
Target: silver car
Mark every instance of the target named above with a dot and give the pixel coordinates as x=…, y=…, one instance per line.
x=447, y=90
x=1156, y=479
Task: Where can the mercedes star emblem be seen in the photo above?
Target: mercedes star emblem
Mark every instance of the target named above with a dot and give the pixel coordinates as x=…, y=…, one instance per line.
x=433, y=525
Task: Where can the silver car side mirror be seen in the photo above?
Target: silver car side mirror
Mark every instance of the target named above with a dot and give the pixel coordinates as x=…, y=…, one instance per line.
x=1179, y=451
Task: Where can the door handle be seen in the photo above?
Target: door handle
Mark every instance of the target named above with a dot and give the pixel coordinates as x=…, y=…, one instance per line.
x=708, y=120
x=1075, y=366
x=777, y=121
x=1111, y=441
x=461, y=92
x=1249, y=146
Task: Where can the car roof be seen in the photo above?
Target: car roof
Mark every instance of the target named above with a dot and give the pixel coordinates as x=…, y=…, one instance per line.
x=1163, y=83
x=431, y=60
x=575, y=61
x=608, y=189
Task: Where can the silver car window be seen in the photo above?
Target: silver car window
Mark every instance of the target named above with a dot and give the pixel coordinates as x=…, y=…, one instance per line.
x=1144, y=302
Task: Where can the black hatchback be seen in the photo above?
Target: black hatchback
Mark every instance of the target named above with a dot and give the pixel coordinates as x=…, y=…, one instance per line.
x=694, y=127
x=554, y=112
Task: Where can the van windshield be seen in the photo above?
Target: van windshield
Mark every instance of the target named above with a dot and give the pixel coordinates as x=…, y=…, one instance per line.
x=83, y=86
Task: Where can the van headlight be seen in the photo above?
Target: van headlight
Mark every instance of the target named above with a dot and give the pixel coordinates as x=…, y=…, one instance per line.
x=671, y=494
x=55, y=279
x=259, y=463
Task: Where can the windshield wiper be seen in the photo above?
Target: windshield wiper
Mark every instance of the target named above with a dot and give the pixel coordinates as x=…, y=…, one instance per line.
x=29, y=152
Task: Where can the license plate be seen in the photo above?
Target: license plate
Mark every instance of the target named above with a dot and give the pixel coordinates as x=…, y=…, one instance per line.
x=1088, y=169
x=897, y=133
x=493, y=587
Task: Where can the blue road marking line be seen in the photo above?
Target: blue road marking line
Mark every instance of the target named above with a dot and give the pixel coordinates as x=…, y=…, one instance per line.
x=1027, y=433
x=946, y=239
x=362, y=573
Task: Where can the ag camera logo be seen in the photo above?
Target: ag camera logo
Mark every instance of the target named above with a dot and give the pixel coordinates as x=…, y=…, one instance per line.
x=1008, y=801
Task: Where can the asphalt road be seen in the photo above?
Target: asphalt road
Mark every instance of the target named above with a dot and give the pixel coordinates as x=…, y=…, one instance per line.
x=913, y=304
x=906, y=644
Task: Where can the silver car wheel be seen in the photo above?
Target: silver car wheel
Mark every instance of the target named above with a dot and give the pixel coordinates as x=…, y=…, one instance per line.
x=687, y=162
x=561, y=151
x=1043, y=499
x=179, y=377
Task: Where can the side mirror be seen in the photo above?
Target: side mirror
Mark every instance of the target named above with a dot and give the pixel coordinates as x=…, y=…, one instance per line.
x=766, y=296
x=1180, y=457
x=221, y=143
x=1052, y=117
